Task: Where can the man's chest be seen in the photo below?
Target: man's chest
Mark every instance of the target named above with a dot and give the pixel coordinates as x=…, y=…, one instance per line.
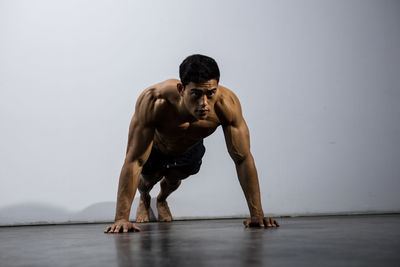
x=173, y=129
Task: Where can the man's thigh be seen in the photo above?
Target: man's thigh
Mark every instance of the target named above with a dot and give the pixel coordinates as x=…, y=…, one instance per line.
x=175, y=175
x=152, y=179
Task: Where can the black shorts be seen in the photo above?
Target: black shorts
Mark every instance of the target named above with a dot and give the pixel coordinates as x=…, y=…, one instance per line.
x=189, y=162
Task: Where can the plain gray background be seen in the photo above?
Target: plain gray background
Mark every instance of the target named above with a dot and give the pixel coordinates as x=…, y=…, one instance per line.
x=318, y=81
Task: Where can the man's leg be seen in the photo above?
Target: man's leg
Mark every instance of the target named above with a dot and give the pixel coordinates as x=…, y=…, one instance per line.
x=144, y=187
x=168, y=184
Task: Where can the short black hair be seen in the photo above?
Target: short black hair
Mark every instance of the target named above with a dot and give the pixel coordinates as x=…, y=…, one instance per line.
x=198, y=69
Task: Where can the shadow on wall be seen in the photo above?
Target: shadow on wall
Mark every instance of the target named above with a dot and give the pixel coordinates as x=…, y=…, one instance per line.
x=33, y=213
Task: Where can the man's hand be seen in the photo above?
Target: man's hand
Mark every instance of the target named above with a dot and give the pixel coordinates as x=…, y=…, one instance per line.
x=261, y=222
x=123, y=225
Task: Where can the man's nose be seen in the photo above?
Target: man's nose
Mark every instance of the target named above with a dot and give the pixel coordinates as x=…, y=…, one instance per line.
x=203, y=101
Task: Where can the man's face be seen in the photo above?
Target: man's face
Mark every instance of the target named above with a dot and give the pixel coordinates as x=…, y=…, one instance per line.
x=199, y=99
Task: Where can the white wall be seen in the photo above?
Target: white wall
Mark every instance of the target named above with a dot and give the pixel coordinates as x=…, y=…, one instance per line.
x=319, y=83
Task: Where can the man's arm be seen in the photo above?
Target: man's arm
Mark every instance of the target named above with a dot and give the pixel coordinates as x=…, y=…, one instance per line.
x=140, y=141
x=238, y=143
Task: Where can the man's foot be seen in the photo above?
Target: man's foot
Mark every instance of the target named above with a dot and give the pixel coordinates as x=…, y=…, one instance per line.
x=164, y=214
x=142, y=212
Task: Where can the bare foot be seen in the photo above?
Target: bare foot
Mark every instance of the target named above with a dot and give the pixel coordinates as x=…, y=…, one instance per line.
x=142, y=212
x=164, y=214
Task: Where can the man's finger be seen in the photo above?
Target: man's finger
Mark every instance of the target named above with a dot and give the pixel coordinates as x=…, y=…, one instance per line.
x=117, y=229
x=256, y=222
x=269, y=222
x=246, y=222
x=252, y=223
x=112, y=229
x=135, y=227
x=107, y=229
x=125, y=228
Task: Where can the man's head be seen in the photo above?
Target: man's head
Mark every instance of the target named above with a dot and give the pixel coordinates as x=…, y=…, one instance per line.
x=199, y=76
x=198, y=69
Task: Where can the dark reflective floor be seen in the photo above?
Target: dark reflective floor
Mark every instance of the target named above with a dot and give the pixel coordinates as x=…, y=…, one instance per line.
x=308, y=241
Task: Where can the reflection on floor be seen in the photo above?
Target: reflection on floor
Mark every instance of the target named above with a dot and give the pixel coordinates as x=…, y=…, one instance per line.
x=305, y=241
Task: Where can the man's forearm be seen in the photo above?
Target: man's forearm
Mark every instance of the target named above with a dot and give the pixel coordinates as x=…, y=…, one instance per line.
x=128, y=183
x=248, y=178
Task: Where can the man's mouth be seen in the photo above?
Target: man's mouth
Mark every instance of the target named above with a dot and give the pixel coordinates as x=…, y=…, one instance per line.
x=202, y=112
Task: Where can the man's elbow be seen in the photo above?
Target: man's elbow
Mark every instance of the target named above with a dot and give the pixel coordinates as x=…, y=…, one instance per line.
x=239, y=158
x=137, y=161
x=135, y=158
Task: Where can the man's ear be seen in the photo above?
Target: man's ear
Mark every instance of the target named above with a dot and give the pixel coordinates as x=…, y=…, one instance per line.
x=180, y=88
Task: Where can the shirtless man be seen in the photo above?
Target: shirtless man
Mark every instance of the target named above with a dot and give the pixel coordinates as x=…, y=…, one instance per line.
x=165, y=142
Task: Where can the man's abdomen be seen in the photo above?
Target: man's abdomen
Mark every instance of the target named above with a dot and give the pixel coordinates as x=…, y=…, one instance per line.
x=188, y=162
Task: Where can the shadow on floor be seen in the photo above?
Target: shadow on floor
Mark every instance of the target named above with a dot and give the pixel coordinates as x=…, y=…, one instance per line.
x=36, y=213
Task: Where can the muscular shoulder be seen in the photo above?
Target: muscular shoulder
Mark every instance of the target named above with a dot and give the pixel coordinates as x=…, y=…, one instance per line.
x=227, y=107
x=155, y=100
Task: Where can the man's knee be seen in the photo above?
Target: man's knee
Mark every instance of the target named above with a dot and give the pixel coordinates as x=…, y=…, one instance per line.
x=147, y=182
x=172, y=183
x=174, y=177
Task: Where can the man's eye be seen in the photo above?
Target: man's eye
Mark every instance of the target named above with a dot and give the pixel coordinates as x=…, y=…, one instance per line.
x=196, y=94
x=210, y=93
